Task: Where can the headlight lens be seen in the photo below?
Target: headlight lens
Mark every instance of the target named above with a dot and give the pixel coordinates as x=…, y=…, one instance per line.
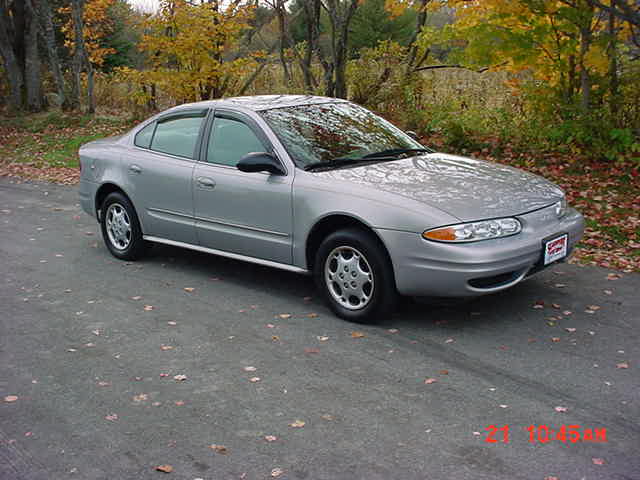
x=561, y=207
x=473, y=232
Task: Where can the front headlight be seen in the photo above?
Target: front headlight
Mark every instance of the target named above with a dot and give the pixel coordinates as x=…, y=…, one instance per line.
x=475, y=231
x=560, y=207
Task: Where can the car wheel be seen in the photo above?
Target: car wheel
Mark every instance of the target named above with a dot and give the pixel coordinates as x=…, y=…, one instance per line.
x=354, y=273
x=121, y=229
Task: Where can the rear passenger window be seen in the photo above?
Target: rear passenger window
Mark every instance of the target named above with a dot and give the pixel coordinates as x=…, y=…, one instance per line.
x=177, y=136
x=143, y=137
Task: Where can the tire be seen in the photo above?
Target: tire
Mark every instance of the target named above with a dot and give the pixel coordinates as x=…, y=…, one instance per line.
x=369, y=295
x=120, y=226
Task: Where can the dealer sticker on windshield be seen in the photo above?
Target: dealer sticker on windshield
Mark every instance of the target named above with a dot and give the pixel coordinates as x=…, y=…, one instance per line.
x=555, y=249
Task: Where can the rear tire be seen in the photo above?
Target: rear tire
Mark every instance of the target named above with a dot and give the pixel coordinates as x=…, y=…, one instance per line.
x=355, y=275
x=121, y=228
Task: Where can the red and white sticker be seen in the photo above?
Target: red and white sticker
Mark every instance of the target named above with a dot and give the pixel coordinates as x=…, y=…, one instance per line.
x=555, y=249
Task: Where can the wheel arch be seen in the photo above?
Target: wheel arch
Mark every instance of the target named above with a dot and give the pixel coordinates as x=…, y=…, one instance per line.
x=102, y=193
x=332, y=223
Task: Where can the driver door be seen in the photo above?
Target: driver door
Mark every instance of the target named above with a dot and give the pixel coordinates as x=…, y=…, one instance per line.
x=245, y=213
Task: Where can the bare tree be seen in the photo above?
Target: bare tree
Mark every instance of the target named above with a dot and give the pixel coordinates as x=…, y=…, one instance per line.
x=340, y=16
x=10, y=60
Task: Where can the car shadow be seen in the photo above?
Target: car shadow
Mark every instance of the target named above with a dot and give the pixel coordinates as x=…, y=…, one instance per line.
x=414, y=313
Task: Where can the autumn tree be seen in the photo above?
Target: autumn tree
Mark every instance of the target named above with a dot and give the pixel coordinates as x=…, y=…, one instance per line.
x=189, y=49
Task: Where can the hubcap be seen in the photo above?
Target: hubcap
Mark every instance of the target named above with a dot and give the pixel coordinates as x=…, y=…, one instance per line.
x=349, y=277
x=118, y=226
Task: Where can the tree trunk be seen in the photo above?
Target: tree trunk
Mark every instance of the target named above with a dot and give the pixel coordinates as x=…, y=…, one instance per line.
x=32, y=70
x=45, y=17
x=79, y=55
x=613, y=64
x=421, y=20
x=10, y=62
x=340, y=16
x=585, y=79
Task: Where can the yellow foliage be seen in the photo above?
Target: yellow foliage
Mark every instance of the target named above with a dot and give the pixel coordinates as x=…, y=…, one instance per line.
x=188, y=47
x=97, y=26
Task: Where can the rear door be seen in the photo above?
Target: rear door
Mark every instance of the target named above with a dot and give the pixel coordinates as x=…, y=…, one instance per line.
x=245, y=213
x=160, y=169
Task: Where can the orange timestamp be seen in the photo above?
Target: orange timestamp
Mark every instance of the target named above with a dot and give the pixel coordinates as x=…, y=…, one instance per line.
x=546, y=434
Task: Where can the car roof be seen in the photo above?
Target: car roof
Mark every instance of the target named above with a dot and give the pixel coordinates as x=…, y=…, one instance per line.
x=263, y=102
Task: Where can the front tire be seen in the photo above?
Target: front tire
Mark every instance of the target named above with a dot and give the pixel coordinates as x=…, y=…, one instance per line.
x=121, y=228
x=355, y=275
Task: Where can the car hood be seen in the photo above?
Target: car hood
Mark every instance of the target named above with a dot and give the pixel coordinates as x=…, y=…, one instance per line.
x=466, y=188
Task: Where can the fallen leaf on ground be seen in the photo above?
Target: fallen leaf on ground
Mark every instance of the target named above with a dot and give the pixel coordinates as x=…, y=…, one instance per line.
x=104, y=384
x=322, y=338
x=393, y=330
x=148, y=308
x=164, y=468
x=622, y=365
x=327, y=417
x=10, y=398
x=357, y=334
x=270, y=325
x=560, y=409
x=297, y=424
x=570, y=329
x=166, y=347
x=608, y=292
x=270, y=438
x=276, y=472
x=551, y=478
x=312, y=315
x=594, y=307
x=172, y=323
x=555, y=339
x=112, y=417
x=189, y=289
x=504, y=406
x=613, y=276
x=250, y=369
x=180, y=377
x=179, y=403
x=598, y=461
x=284, y=315
x=449, y=340
x=254, y=379
x=444, y=372
x=137, y=297
x=219, y=449
x=429, y=381
x=311, y=350
x=275, y=338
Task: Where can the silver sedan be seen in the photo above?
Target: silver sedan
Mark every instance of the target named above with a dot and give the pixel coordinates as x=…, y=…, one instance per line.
x=324, y=187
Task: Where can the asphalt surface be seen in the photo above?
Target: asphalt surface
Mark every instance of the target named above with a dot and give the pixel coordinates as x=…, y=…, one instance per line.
x=97, y=398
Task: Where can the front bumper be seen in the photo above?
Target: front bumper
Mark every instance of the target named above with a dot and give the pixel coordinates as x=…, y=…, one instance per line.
x=425, y=268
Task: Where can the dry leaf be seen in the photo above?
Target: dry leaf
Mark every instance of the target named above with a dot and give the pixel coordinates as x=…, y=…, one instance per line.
x=429, y=381
x=143, y=397
x=270, y=438
x=444, y=372
x=598, y=461
x=10, y=398
x=219, y=449
x=504, y=406
x=593, y=307
x=189, y=289
x=312, y=315
x=137, y=297
x=449, y=340
x=180, y=377
x=322, y=338
x=112, y=417
x=166, y=347
x=104, y=384
x=276, y=472
x=148, y=308
x=179, y=403
x=250, y=369
x=560, y=409
x=393, y=330
x=555, y=339
x=297, y=424
x=570, y=329
x=275, y=338
x=172, y=323
x=622, y=365
x=164, y=468
x=311, y=350
x=254, y=379
x=357, y=334
x=284, y=315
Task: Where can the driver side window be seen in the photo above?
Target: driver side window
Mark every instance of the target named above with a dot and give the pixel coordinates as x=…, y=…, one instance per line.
x=230, y=140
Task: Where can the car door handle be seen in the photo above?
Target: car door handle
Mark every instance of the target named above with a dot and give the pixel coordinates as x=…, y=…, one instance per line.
x=205, y=182
x=134, y=169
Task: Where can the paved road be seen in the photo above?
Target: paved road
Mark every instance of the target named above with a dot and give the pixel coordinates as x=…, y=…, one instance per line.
x=97, y=398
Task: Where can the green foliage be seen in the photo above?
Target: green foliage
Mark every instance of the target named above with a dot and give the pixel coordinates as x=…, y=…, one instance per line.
x=373, y=24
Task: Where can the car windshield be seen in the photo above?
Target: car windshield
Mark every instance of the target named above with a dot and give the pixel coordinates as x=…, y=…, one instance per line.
x=325, y=132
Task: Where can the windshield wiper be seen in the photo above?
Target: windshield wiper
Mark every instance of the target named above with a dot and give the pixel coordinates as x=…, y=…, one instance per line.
x=397, y=151
x=338, y=162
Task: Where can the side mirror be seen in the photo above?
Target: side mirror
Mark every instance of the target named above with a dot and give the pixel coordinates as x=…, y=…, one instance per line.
x=260, y=162
x=412, y=134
